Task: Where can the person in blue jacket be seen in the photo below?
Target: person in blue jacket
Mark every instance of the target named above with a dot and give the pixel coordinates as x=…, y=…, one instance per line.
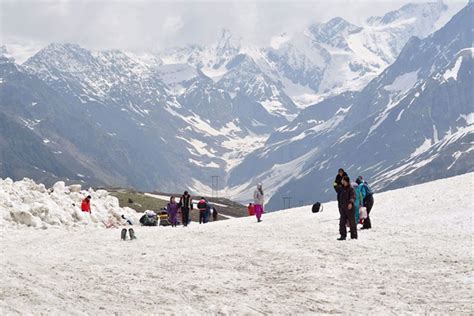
x=359, y=201
x=367, y=201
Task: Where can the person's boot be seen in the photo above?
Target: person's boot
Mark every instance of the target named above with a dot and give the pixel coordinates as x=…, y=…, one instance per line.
x=123, y=234
x=341, y=238
x=132, y=233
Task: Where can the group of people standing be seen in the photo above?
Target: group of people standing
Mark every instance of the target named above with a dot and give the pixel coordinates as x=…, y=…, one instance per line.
x=350, y=198
x=185, y=205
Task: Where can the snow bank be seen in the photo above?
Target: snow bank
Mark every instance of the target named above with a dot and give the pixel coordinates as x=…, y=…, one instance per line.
x=26, y=203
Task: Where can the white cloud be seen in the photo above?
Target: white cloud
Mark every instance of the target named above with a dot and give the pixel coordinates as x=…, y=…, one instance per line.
x=144, y=25
x=173, y=24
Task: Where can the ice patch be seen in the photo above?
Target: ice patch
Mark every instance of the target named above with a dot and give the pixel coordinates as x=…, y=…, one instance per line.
x=204, y=165
x=273, y=106
x=469, y=118
x=400, y=115
x=453, y=72
x=422, y=148
x=403, y=83
x=345, y=137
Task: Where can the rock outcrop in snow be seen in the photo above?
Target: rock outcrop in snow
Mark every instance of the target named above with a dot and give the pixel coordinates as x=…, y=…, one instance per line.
x=26, y=203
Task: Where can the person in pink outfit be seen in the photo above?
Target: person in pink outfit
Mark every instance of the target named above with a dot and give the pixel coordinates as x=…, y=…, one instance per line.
x=259, y=201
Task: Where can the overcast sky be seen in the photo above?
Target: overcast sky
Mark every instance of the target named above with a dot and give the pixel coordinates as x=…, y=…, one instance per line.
x=143, y=25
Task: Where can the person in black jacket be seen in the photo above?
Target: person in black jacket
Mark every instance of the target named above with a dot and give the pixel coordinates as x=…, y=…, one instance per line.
x=338, y=181
x=338, y=186
x=186, y=204
x=347, y=210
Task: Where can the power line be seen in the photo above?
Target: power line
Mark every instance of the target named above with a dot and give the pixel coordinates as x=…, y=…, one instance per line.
x=215, y=186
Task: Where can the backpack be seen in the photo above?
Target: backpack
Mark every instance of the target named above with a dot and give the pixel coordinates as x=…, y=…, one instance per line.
x=317, y=207
x=368, y=190
x=202, y=205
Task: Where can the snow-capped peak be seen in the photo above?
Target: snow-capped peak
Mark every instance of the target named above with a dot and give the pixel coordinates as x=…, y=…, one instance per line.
x=227, y=42
x=3, y=50
x=424, y=10
x=5, y=57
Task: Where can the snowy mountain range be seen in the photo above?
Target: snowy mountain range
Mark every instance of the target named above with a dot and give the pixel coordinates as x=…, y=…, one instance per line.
x=175, y=117
x=412, y=123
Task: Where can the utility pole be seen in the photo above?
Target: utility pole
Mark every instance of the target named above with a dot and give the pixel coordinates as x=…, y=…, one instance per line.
x=215, y=186
x=287, y=198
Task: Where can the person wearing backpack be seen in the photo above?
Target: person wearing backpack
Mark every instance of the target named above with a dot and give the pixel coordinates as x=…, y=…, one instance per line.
x=202, y=207
x=186, y=204
x=368, y=200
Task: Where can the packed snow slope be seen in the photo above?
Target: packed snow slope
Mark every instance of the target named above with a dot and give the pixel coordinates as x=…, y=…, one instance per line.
x=28, y=204
x=416, y=259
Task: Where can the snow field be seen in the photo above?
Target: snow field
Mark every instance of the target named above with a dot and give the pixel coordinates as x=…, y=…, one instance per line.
x=27, y=204
x=417, y=259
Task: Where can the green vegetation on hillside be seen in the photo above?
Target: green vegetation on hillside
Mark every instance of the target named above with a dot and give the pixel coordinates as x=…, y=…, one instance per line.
x=141, y=202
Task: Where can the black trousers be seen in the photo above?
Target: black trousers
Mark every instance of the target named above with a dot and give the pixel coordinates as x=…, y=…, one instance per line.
x=185, y=216
x=347, y=216
x=369, y=203
x=202, y=217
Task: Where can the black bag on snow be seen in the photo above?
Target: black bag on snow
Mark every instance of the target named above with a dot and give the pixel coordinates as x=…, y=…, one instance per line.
x=317, y=207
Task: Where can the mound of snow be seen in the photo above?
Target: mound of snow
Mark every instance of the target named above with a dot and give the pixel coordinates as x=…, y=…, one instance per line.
x=26, y=203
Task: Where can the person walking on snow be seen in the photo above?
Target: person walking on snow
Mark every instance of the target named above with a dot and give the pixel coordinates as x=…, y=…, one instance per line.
x=86, y=205
x=172, y=210
x=259, y=201
x=186, y=204
x=347, y=200
x=202, y=207
x=368, y=200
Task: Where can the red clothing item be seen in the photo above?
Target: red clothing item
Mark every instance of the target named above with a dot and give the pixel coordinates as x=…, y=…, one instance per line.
x=251, y=210
x=86, y=205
